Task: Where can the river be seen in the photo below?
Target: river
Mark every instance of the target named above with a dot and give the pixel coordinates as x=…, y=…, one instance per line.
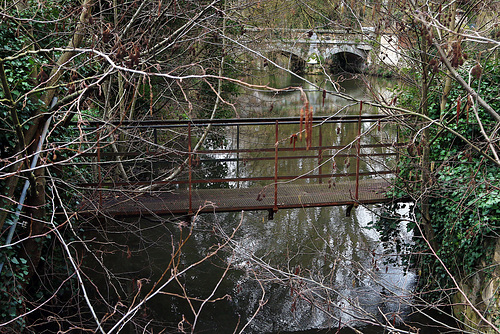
x=309, y=270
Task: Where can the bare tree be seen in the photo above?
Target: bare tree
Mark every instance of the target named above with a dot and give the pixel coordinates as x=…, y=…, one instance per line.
x=447, y=53
x=76, y=76
x=66, y=64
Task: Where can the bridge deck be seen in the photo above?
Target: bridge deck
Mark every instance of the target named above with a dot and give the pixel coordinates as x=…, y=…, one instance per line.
x=345, y=156
x=290, y=195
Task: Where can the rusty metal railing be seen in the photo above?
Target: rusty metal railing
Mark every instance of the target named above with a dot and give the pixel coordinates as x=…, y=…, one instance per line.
x=282, y=150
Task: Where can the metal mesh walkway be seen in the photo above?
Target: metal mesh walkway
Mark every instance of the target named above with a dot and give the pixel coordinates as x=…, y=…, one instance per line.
x=350, y=154
x=290, y=195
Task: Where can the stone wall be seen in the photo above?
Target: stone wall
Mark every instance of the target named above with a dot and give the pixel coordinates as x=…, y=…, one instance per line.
x=483, y=290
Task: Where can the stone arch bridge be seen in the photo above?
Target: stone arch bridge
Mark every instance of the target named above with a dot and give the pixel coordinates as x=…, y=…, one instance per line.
x=342, y=50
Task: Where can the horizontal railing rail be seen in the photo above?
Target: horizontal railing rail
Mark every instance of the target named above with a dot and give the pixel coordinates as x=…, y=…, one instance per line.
x=151, y=124
x=277, y=153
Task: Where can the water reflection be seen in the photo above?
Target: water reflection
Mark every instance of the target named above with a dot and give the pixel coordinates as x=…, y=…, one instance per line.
x=341, y=159
x=320, y=269
x=261, y=103
x=315, y=268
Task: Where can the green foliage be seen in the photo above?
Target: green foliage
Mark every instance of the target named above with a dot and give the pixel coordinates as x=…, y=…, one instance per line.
x=18, y=76
x=382, y=71
x=464, y=196
x=392, y=218
x=314, y=14
x=12, y=287
x=207, y=97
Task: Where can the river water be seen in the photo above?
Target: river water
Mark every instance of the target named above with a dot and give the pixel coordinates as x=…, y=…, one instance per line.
x=308, y=270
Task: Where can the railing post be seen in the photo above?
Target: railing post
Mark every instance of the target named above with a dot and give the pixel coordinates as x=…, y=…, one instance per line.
x=358, y=150
x=99, y=173
x=190, y=162
x=238, y=154
x=320, y=153
x=276, y=168
x=397, y=150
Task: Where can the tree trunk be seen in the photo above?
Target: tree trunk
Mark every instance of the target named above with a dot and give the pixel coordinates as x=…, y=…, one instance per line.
x=28, y=140
x=447, y=84
x=36, y=201
x=426, y=221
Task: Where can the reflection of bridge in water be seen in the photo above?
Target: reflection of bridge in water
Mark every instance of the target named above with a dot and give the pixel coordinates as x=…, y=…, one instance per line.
x=246, y=164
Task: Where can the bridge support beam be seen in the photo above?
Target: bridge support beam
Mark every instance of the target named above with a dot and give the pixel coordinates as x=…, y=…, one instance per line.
x=349, y=209
x=270, y=214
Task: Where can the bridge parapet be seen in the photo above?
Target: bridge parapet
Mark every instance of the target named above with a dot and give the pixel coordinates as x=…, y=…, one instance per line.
x=315, y=46
x=323, y=34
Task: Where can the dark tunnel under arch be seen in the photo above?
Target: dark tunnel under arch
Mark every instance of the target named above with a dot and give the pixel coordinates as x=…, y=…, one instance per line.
x=347, y=62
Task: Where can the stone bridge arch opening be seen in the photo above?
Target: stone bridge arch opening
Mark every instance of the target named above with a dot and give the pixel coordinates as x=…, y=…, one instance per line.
x=308, y=50
x=346, y=61
x=288, y=60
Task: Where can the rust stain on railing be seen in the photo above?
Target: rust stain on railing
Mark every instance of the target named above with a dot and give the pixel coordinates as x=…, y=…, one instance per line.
x=284, y=192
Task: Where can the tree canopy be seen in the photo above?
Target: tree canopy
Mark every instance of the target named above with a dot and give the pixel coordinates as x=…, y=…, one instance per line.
x=68, y=65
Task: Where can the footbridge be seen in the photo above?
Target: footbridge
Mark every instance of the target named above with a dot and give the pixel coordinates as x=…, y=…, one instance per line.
x=345, y=50
x=244, y=164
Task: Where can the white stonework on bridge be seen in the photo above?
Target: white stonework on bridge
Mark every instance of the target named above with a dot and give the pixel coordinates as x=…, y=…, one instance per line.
x=389, y=50
x=348, y=48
